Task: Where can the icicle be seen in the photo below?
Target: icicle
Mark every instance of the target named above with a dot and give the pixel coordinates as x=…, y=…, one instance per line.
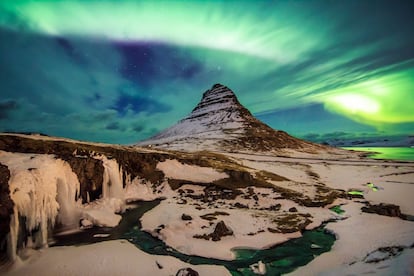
x=34, y=183
x=112, y=179
x=13, y=235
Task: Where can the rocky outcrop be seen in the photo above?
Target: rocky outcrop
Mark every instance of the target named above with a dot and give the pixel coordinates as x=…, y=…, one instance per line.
x=6, y=209
x=90, y=175
x=290, y=223
x=221, y=230
x=384, y=253
x=186, y=272
x=133, y=163
x=383, y=209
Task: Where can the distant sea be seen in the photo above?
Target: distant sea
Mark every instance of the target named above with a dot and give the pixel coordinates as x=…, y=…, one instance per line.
x=394, y=153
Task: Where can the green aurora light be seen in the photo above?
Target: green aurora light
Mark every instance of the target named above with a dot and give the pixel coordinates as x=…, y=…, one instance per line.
x=278, y=56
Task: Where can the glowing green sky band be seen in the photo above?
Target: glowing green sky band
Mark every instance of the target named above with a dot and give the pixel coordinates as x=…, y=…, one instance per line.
x=210, y=24
x=387, y=99
x=256, y=41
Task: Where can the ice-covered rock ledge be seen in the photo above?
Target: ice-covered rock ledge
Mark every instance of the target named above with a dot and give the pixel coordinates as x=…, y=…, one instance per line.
x=44, y=192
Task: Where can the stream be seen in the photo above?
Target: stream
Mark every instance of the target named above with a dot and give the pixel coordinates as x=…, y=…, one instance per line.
x=279, y=259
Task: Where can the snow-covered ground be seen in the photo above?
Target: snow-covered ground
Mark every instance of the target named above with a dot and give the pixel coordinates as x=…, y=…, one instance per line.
x=117, y=257
x=43, y=178
x=361, y=233
x=176, y=170
x=179, y=233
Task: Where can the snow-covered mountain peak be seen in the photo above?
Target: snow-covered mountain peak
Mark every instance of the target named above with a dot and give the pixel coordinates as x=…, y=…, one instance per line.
x=217, y=95
x=219, y=105
x=220, y=122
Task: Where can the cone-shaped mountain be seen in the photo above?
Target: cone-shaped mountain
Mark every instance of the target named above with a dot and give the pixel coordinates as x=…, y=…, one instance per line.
x=220, y=122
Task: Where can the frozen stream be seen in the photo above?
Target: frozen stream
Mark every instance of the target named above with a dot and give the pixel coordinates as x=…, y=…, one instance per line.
x=280, y=259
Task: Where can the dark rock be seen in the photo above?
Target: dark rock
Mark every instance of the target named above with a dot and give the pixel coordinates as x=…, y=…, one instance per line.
x=220, y=231
x=159, y=228
x=213, y=216
x=290, y=223
x=204, y=236
x=186, y=217
x=6, y=208
x=186, y=272
x=240, y=205
x=90, y=175
x=383, y=209
x=384, y=253
x=273, y=230
x=239, y=179
x=182, y=201
x=293, y=210
x=250, y=191
x=275, y=207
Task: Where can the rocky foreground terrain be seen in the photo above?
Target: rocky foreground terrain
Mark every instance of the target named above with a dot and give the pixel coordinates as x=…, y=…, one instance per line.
x=211, y=203
x=218, y=181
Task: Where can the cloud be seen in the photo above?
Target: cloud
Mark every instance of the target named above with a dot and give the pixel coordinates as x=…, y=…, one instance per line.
x=113, y=126
x=138, y=128
x=137, y=104
x=5, y=107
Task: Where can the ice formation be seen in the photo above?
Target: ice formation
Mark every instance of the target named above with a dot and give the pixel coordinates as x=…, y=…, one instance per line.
x=112, y=180
x=44, y=190
x=41, y=187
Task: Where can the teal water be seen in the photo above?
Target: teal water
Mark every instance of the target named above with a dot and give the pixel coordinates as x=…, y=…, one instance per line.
x=279, y=259
x=393, y=153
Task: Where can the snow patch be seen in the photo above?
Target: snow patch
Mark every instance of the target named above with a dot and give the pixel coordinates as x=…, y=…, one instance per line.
x=117, y=257
x=176, y=170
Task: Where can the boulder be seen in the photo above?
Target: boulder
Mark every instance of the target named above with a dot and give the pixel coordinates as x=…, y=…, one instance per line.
x=220, y=231
x=293, y=210
x=186, y=217
x=186, y=272
x=383, y=209
x=275, y=207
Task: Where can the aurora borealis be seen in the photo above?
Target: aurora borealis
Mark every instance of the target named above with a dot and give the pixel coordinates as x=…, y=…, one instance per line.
x=119, y=72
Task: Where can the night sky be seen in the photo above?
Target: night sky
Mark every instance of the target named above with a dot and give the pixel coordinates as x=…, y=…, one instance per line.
x=119, y=72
